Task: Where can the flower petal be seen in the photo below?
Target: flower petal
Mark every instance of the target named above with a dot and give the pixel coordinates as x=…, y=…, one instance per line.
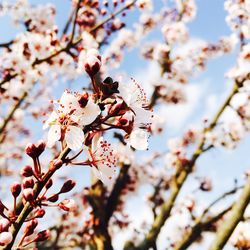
x=138, y=139
x=53, y=135
x=143, y=116
x=90, y=112
x=52, y=118
x=105, y=174
x=68, y=102
x=74, y=137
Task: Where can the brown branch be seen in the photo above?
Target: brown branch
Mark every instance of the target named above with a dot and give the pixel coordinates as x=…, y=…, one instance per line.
x=236, y=215
x=67, y=25
x=7, y=44
x=74, y=22
x=114, y=197
x=7, y=79
x=10, y=115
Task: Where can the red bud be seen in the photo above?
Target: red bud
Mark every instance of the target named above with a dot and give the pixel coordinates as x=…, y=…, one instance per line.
x=53, y=198
x=28, y=182
x=42, y=236
x=67, y=186
x=28, y=194
x=31, y=225
x=26, y=171
x=16, y=189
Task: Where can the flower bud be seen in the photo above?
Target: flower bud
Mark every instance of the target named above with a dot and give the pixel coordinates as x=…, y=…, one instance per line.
x=92, y=65
x=28, y=194
x=28, y=182
x=40, y=213
x=67, y=186
x=109, y=87
x=35, y=150
x=53, y=198
x=30, y=149
x=68, y=205
x=26, y=171
x=40, y=145
x=49, y=184
x=16, y=189
x=4, y=224
x=31, y=225
x=5, y=238
x=42, y=236
x=83, y=100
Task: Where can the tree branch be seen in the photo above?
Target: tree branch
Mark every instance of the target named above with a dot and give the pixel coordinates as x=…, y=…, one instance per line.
x=10, y=115
x=201, y=226
x=236, y=215
x=115, y=194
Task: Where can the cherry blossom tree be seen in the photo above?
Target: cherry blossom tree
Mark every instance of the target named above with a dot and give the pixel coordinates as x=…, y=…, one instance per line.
x=85, y=148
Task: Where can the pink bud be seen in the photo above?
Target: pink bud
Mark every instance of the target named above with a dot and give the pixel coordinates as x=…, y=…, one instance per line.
x=35, y=150
x=30, y=149
x=28, y=182
x=28, y=194
x=4, y=224
x=95, y=53
x=5, y=238
x=40, y=213
x=68, y=205
x=92, y=65
x=40, y=146
x=16, y=189
x=67, y=186
x=26, y=171
x=49, y=184
x=42, y=236
x=31, y=225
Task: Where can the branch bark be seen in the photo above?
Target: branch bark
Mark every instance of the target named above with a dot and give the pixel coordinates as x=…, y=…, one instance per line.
x=236, y=215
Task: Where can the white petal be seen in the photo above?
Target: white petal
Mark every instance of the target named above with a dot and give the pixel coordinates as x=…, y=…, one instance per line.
x=96, y=172
x=74, y=137
x=68, y=102
x=95, y=141
x=53, y=117
x=142, y=116
x=90, y=112
x=139, y=139
x=107, y=174
x=54, y=135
